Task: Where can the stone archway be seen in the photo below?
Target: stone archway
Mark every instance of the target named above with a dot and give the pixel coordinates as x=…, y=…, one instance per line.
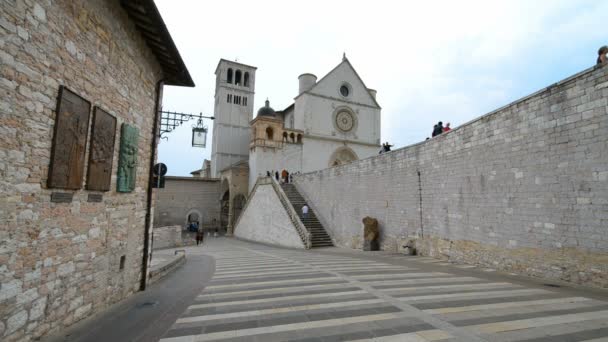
x=238, y=204
x=193, y=215
x=342, y=155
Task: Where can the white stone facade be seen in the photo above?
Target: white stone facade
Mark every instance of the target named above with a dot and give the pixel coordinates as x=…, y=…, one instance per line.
x=265, y=220
x=337, y=120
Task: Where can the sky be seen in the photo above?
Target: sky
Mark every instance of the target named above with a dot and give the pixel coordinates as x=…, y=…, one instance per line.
x=430, y=61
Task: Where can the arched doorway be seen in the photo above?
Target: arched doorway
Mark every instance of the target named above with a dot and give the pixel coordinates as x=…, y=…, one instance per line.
x=238, y=204
x=224, y=210
x=341, y=156
x=194, y=215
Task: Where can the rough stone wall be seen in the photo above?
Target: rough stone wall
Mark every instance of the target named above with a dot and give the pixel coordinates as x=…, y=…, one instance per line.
x=167, y=237
x=182, y=196
x=60, y=262
x=524, y=188
x=264, y=220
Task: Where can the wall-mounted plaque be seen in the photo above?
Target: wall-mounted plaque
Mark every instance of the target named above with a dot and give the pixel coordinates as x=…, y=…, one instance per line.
x=103, y=132
x=127, y=159
x=69, y=141
x=61, y=197
x=95, y=198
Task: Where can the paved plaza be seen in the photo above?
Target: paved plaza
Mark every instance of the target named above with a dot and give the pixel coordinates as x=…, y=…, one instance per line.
x=261, y=293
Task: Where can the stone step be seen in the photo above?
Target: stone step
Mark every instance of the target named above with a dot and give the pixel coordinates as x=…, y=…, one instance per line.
x=319, y=236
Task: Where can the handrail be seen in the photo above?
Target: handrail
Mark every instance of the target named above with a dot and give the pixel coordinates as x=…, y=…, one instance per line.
x=293, y=215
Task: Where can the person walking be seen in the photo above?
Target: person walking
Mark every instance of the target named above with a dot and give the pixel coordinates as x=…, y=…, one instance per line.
x=276, y=175
x=283, y=175
x=287, y=176
x=200, y=235
x=305, y=212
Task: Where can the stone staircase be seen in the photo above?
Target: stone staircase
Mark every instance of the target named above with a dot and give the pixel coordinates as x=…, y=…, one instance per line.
x=319, y=237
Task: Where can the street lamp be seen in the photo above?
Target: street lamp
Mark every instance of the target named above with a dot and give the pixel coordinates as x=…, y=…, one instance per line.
x=199, y=134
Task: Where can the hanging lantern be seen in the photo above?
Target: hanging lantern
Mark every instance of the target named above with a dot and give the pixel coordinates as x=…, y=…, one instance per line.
x=199, y=135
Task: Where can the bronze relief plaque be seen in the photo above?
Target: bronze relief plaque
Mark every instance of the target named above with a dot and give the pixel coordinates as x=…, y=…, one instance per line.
x=69, y=141
x=127, y=159
x=101, y=154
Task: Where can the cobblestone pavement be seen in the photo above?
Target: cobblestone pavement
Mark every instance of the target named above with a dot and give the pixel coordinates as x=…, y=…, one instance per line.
x=261, y=293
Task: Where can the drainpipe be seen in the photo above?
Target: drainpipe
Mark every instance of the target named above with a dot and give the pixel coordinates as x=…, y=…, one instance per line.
x=153, y=148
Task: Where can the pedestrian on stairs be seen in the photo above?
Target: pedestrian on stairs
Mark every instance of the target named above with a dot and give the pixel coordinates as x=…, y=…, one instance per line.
x=305, y=211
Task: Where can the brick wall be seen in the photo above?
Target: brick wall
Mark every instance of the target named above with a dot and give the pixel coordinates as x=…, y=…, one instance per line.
x=523, y=188
x=60, y=262
x=182, y=196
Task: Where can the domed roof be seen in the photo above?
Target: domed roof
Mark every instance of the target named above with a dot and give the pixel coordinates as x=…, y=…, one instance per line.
x=266, y=110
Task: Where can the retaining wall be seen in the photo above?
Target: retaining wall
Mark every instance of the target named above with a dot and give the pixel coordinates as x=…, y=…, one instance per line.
x=523, y=188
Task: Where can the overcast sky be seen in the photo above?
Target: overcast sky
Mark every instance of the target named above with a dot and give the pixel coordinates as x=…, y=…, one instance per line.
x=429, y=61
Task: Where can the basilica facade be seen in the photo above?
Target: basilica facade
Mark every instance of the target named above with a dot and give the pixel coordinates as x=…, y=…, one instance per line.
x=332, y=121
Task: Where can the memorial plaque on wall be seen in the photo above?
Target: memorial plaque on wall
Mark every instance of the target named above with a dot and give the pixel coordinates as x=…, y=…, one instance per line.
x=69, y=141
x=127, y=158
x=101, y=154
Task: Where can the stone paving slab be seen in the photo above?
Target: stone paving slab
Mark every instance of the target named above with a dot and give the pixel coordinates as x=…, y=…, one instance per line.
x=262, y=293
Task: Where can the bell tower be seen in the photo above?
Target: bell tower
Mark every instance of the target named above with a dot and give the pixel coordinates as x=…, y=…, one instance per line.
x=234, y=91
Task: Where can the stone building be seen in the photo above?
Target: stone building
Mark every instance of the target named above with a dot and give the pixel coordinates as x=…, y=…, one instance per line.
x=187, y=199
x=81, y=83
x=333, y=121
x=522, y=189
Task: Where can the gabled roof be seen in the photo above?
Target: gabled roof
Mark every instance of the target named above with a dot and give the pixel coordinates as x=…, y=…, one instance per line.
x=344, y=60
x=150, y=24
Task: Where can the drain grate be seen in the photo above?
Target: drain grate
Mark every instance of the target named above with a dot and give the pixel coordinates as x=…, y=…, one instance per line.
x=552, y=285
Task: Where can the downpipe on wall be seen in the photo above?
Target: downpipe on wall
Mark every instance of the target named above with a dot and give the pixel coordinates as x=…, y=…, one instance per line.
x=150, y=193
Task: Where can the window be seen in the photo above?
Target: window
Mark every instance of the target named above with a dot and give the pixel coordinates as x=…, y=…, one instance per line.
x=246, y=80
x=229, y=98
x=122, y=262
x=269, y=133
x=237, y=77
x=229, y=76
x=244, y=100
x=293, y=137
x=344, y=91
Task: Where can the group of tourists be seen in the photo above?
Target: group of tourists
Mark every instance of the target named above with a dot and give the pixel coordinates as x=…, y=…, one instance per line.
x=386, y=147
x=200, y=234
x=438, y=129
x=283, y=177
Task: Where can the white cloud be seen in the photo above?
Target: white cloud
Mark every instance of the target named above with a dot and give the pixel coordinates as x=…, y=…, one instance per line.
x=429, y=61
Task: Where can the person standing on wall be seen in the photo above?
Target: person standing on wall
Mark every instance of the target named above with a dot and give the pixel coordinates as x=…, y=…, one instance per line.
x=438, y=129
x=602, y=57
x=447, y=127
